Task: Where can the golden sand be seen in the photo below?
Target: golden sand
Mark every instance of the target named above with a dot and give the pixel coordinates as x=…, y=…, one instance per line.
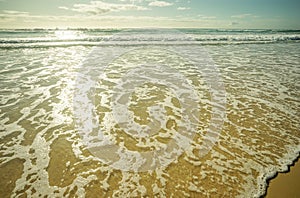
x=286, y=184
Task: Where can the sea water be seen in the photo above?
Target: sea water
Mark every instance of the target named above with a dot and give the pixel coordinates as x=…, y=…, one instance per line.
x=136, y=113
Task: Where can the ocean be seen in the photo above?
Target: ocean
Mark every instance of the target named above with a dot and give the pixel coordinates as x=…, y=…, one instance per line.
x=147, y=112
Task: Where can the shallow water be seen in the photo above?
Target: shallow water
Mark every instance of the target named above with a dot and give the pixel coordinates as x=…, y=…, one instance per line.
x=44, y=153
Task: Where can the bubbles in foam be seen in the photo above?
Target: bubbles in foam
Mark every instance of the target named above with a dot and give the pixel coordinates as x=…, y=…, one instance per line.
x=125, y=121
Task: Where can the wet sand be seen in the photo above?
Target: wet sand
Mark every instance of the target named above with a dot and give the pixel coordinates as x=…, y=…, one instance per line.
x=285, y=184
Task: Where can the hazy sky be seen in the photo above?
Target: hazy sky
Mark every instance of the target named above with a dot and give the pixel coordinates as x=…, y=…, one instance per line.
x=150, y=13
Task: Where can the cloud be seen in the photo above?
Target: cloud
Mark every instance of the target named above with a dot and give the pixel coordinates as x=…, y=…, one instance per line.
x=12, y=15
x=183, y=8
x=206, y=17
x=242, y=16
x=132, y=1
x=100, y=7
x=14, y=12
x=160, y=4
x=63, y=7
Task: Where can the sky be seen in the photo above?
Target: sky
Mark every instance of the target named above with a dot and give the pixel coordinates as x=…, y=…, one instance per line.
x=232, y=14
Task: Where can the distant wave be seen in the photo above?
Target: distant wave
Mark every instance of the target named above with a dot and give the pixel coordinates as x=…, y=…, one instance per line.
x=272, y=38
x=28, y=38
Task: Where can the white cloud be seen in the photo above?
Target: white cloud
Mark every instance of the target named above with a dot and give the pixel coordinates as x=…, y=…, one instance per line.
x=63, y=7
x=100, y=7
x=14, y=12
x=206, y=17
x=160, y=3
x=132, y=1
x=183, y=8
x=242, y=16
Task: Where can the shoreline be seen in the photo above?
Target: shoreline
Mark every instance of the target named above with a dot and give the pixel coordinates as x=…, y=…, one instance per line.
x=285, y=184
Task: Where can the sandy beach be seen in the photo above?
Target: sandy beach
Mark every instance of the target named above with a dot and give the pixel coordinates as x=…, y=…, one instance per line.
x=285, y=184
